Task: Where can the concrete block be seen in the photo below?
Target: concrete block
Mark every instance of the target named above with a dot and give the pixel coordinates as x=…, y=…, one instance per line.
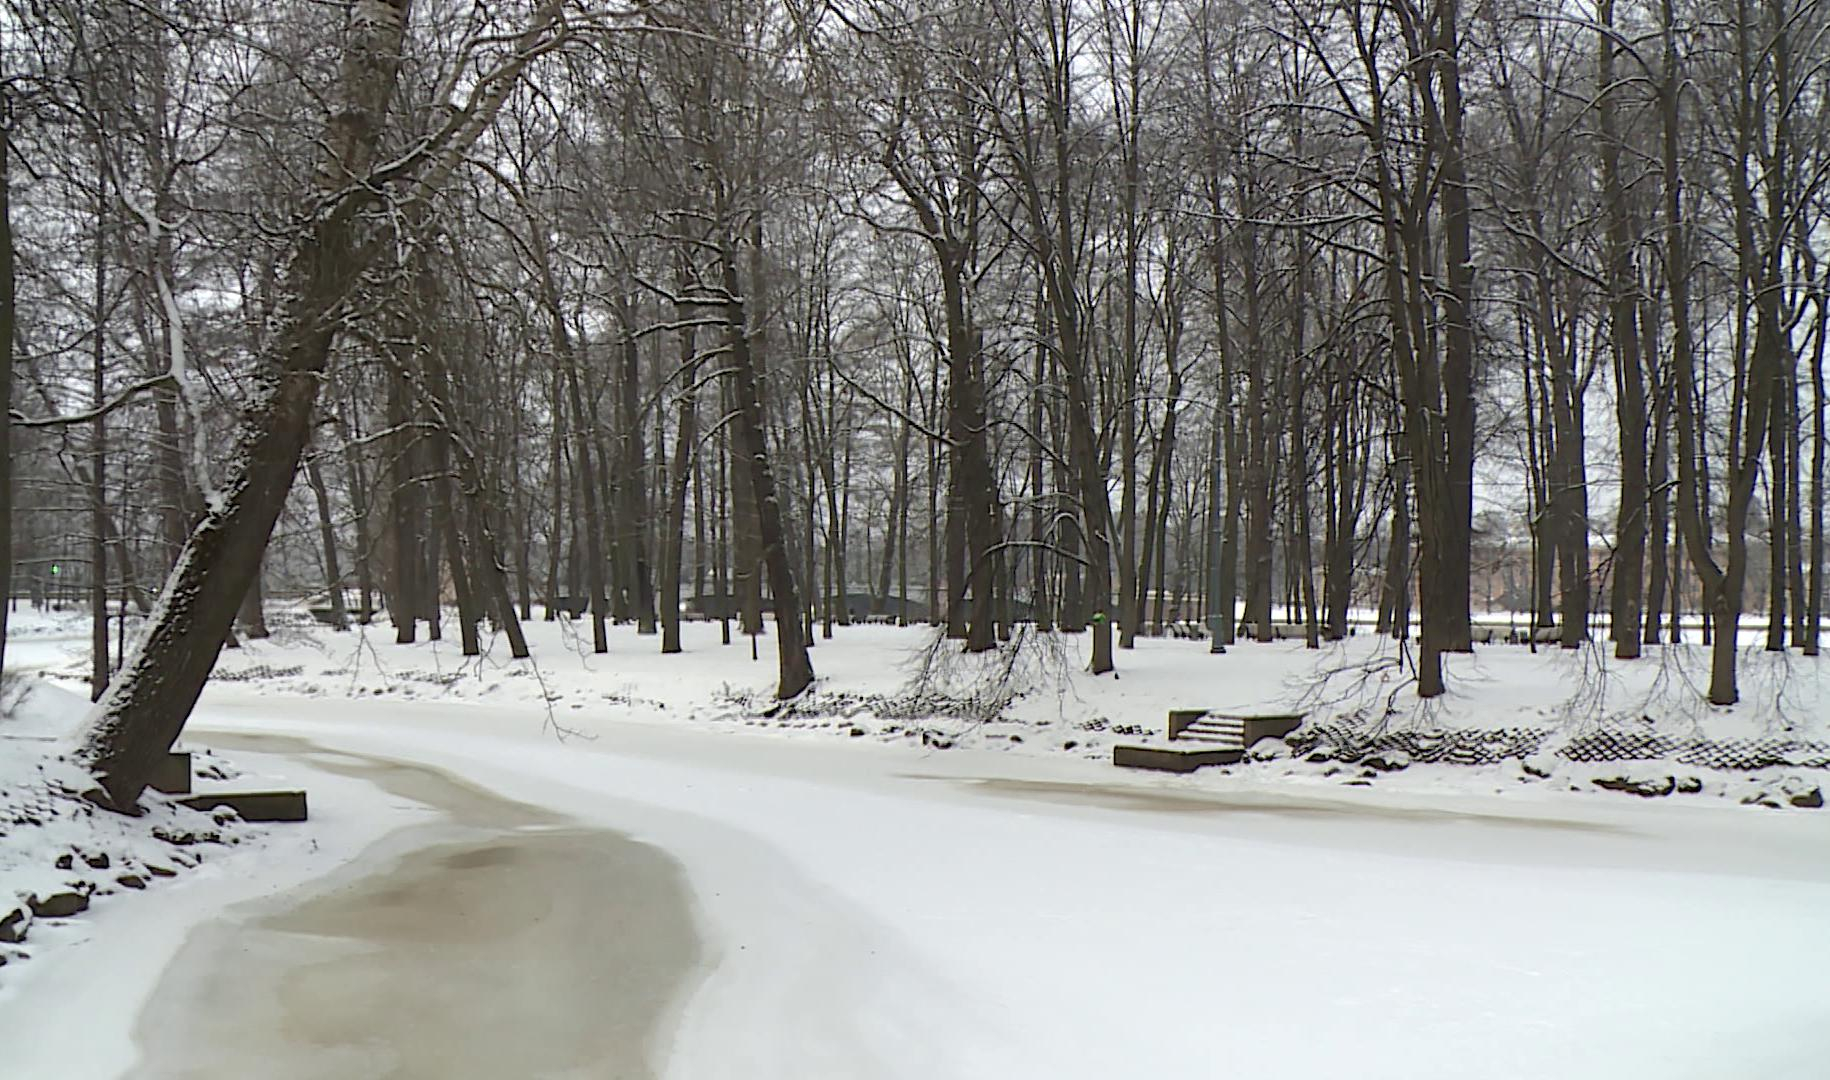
x=173, y=774
x=1177, y=761
x=253, y=805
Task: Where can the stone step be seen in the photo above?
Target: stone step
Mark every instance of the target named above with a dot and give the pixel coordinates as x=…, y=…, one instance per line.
x=1217, y=738
x=1166, y=759
x=253, y=805
x=1216, y=727
x=1244, y=728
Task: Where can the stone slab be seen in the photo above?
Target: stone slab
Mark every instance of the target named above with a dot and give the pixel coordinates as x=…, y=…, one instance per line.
x=253, y=805
x=1163, y=759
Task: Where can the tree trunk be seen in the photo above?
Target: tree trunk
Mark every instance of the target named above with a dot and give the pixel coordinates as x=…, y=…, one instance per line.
x=796, y=667
x=636, y=574
x=1259, y=451
x=327, y=537
x=746, y=549
x=1814, y=597
x=7, y=288
x=557, y=521
x=98, y=460
x=1454, y=630
x=721, y=533
x=591, y=498
x=1658, y=516
x=445, y=537
x=1628, y=596
x=406, y=599
x=685, y=468
x=135, y=724
x=1779, y=517
x=359, y=505
x=1569, y=478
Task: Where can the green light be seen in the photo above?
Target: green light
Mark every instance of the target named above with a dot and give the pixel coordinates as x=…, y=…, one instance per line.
x=56, y=569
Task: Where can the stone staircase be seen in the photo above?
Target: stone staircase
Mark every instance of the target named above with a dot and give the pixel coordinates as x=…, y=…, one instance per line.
x=1219, y=731
x=1202, y=737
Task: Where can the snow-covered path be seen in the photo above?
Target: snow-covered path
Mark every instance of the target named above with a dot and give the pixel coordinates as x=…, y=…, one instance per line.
x=867, y=912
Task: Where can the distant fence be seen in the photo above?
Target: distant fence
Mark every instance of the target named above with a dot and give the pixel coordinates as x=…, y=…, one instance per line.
x=1351, y=743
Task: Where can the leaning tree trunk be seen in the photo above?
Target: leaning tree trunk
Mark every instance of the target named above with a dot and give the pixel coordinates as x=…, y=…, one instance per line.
x=136, y=722
x=142, y=715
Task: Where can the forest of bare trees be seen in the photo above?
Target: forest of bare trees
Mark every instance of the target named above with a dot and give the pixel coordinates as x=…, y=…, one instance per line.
x=1114, y=316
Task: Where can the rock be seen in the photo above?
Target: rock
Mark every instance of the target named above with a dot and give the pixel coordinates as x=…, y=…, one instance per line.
x=857, y=733
x=1268, y=750
x=1646, y=789
x=160, y=871
x=59, y=905
x=132, y=881
x=12, y=927
x=1689, y=785
x=1387, y=760
x=1069, y=744
x=1809, y=800
x=96, y=861
x=65, y=861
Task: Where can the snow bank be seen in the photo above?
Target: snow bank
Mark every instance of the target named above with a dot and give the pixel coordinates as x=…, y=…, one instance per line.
x=904, y=686
x=59, y=853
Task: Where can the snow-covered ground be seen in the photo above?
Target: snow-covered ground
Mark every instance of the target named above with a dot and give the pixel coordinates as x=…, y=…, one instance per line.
x=948, y=892
x=901, y=686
